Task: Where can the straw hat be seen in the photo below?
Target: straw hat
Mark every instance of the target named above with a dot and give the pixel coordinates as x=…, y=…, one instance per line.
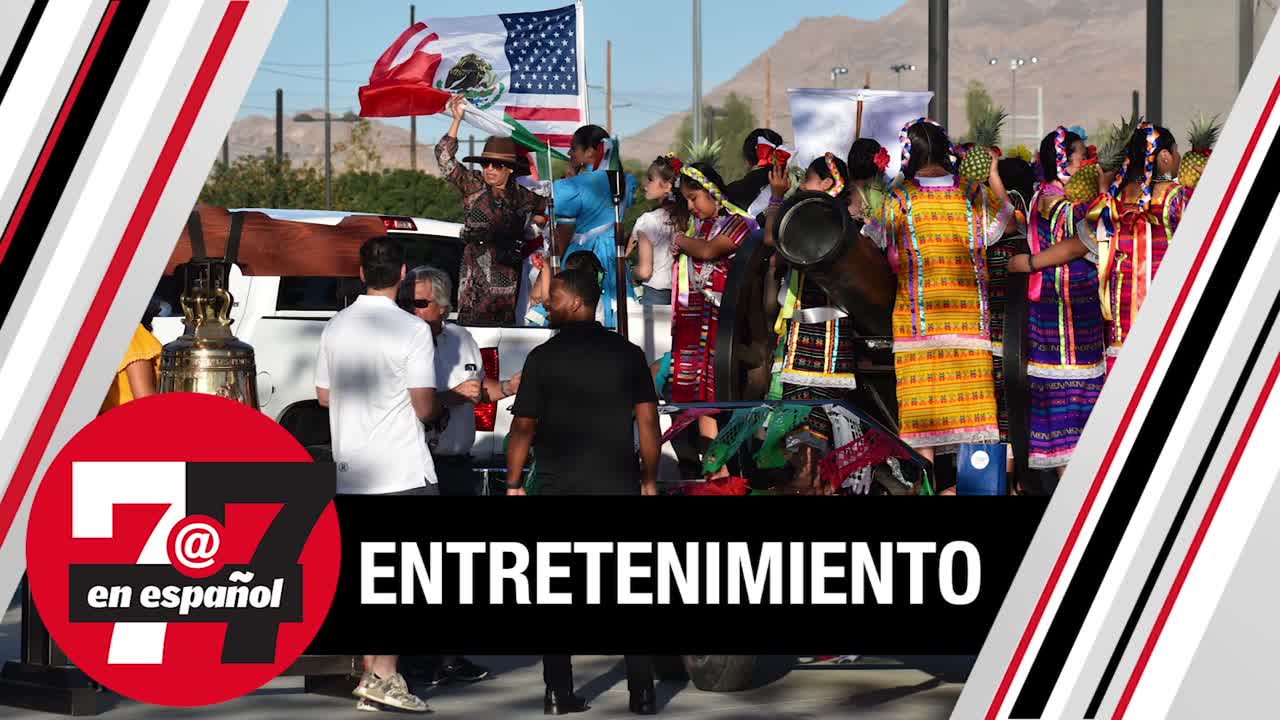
x=502, y=150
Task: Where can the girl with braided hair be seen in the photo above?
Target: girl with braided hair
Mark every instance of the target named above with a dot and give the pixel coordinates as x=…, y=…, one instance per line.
x=703, y=251
x=939, y=226
x=1066, y=348
x=1130, y=227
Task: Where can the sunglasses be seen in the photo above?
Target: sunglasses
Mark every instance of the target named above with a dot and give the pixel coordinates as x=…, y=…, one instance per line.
x=421, y=304
x=486, y=164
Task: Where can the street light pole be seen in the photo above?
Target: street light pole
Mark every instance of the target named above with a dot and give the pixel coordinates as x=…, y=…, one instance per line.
x=697, y=71
x=899, y=68
x=328, y=145
x=836, y=72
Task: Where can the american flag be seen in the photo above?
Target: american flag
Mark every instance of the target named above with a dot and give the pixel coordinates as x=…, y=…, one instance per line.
x=545, y=96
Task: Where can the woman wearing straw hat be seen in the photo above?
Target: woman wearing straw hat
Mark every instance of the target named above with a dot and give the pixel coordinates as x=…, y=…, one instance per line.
x=497, y=210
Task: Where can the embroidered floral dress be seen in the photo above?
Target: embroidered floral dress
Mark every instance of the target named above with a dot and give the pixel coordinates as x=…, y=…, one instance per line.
x=1131, y=242
x=1065, y=344
x=493, y=240
x=940, y=228
x=695, y=308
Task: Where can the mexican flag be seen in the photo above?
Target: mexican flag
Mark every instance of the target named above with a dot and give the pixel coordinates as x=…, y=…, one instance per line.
x=522, y=73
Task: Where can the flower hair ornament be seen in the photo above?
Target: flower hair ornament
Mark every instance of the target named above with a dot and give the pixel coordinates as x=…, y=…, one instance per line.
x=905, y=139
x=696, y=175
x=1060, y=153
x=881, y=159
x=837, y=182
x=767, y=152
x=1148, y=167
x=672, y=160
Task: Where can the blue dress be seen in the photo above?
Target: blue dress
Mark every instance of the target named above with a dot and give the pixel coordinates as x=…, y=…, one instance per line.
x=586, y=202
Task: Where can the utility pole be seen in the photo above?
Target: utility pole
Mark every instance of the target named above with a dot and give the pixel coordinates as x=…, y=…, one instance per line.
x=768, y=93
x=279, y=128
x=226, y=152
x=697, y=71
x=1135, y=104
x=608, y=86
x=1245, y=10
x=471, y=148
x=939, y=33
x=1155, y=59
x=413, y=121
x=328, y=138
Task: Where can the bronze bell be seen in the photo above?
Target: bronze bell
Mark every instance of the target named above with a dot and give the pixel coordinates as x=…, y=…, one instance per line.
x=208, y=358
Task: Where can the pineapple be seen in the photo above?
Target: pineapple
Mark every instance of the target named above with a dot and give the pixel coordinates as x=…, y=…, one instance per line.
x=976, y=165
x=1082, y=186
x=1204, y=135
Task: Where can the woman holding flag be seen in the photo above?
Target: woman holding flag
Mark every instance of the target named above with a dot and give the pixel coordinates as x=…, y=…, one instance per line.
x=497, y=210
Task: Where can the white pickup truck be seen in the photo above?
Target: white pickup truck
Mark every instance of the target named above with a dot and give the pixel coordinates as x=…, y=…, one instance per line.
x=282, y=318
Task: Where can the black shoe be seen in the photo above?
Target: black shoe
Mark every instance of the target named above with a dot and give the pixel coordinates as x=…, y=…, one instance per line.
x=463, y=670
x=644, y=702
x=562, y=703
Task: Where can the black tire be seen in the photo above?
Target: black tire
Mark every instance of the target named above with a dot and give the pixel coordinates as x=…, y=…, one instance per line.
x=670, y=668
x=733, y=673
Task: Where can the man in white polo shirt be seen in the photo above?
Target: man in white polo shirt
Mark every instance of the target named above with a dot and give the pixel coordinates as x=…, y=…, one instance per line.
x=375, y=371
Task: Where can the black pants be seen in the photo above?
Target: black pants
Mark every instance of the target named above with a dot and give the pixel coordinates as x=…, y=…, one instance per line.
x=557, y=672
x=456, y=476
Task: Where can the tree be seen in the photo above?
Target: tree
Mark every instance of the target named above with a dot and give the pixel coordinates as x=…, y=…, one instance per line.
x=730, y=123
x=977, y=104
x=361, y=154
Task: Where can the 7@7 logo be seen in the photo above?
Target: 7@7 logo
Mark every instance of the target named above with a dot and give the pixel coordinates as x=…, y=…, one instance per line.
x=219, y=572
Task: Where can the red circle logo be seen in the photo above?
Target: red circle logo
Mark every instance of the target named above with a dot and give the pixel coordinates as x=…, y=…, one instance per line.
x=183, y=549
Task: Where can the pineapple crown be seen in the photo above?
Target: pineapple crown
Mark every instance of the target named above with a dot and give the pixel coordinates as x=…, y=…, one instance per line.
x=1204, y=133
x=986, y=127
x=1060, y=153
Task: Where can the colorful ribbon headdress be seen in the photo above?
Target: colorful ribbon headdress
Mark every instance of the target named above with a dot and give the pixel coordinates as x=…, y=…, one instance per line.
x=1148, y=166
x=837, y=182
x=696, y=175
x=1060, y=153
x=905, y=138
x=767, y=151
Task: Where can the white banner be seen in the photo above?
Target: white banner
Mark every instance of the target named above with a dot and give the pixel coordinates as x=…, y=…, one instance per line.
x=825, y=120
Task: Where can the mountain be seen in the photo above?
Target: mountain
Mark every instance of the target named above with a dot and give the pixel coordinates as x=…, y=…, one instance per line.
x=304, y=141
x=1087, y=68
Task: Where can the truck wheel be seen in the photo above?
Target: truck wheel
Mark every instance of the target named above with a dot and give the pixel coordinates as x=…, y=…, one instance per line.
x=731, y=673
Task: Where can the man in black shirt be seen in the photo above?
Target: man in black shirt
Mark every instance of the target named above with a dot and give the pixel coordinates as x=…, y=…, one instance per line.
x=581, y=394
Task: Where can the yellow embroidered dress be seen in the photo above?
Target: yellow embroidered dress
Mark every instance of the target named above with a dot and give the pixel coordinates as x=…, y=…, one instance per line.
x=939, y=228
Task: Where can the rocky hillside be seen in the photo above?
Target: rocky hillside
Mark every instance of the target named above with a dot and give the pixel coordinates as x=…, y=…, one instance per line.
x=1088, y=73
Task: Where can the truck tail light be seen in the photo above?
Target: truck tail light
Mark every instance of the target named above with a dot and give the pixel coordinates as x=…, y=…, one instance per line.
x=398, y=223
x=487, y=413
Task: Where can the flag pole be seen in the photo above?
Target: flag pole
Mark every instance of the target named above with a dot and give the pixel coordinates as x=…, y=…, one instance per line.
x=617, y=185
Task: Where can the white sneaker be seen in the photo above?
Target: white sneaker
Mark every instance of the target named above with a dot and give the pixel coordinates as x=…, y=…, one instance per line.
x=390, y=691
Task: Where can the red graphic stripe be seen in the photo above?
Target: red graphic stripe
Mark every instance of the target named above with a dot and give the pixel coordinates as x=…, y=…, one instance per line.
x=67, y=103
x=544, y=114
x=1015, y=662
x=38, y=443
x=1196, y=541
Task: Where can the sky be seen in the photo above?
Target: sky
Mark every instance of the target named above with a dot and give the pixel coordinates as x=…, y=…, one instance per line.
x=651, y=49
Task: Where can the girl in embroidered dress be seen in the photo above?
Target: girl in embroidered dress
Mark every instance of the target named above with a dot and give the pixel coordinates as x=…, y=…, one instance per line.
x=940, y=225
x=703, y=252
x=651, y=236
x=1066, y=350
x=1130, y=227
